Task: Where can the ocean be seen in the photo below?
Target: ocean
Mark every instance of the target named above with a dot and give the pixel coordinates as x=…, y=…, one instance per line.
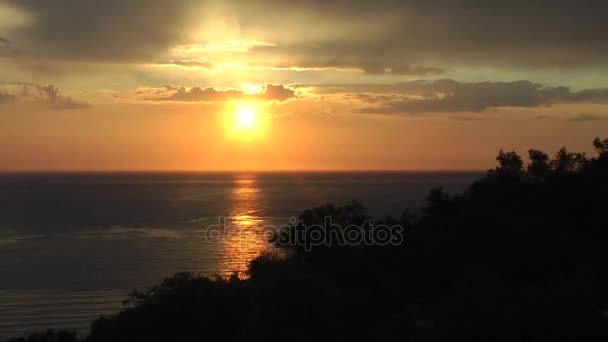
x=73, y=245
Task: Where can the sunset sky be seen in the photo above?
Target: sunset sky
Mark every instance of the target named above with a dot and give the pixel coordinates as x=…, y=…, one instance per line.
x=297, y=85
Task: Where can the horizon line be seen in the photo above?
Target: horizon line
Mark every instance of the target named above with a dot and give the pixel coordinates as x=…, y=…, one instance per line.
x=32, y=171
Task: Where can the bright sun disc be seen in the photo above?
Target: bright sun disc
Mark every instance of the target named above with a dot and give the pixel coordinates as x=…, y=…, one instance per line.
x=245, y=120
x=246, y=117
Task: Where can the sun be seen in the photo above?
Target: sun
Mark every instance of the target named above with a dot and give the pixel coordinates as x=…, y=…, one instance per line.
x=245, y=120
x=245, y=117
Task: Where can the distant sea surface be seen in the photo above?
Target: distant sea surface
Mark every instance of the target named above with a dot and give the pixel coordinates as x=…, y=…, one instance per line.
x=72, y=245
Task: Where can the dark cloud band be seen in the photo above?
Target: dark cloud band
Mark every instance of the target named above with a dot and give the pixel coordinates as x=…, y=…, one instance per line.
x=374, y=36
x=452, y=96
x=48, y=95
x=272, y=92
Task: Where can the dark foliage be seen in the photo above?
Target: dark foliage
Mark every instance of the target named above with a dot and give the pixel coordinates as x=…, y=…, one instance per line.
x=49, y=336
x=521, y=256
x=183, y=308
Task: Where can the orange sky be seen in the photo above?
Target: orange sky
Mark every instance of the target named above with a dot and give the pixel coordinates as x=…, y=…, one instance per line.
x=160, y=88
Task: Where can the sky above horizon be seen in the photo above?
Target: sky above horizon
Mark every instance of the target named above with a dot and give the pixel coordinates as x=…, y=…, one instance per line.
x=297, y=85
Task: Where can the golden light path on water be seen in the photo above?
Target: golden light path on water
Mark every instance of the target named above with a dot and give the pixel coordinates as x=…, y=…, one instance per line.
x=245, y=237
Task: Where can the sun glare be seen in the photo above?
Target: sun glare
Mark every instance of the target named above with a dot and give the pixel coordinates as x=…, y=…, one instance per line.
x=245, y=120
x=246, y=117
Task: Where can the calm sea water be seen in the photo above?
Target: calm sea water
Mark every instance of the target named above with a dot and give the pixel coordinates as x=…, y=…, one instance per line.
x=73, y=245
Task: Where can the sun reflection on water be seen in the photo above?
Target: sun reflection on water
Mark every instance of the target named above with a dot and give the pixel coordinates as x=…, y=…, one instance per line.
x=244, y=238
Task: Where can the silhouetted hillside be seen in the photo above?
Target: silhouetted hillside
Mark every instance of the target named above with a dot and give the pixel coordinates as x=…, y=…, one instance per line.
x=520, y=256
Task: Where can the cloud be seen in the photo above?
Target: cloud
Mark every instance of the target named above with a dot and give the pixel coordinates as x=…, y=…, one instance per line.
x=55, y=100
x=467, y=118
x=278, y=92
x=270, y=92
x=6, y=98
x=532, y=34
x=198, y=94
x=109, y=30
x=189, y=63
x=402, y=69
x=283, y=115
x=585, y=117
x=7, y=49
x=376, y=67
x=452, y=96
x=396, y=36
x=48, y=95
x=233, y=45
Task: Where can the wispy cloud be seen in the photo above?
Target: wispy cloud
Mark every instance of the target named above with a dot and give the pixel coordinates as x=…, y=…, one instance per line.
x=341, y=64
x=270, y=92
x=49, y=95
x=586, y=117
x=447, y=95
x=188, y=63
x=6, y=98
